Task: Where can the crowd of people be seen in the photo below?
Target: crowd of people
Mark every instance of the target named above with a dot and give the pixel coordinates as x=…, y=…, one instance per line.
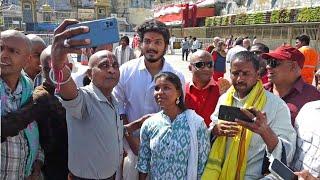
x=136, y=117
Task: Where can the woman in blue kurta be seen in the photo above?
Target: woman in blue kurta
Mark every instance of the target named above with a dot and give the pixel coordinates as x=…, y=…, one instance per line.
x=174, y=142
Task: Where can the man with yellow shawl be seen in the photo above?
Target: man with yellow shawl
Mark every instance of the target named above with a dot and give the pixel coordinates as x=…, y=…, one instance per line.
x=239, y=148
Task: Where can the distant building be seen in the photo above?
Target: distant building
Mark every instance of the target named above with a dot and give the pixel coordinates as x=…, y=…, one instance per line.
x=29, y=14
x=11, y=17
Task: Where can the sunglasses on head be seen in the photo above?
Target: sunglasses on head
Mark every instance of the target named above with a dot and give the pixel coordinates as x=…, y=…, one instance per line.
x=273, y=63
x=201, y=65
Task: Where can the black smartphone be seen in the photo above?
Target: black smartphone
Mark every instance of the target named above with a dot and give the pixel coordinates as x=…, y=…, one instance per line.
x=230, y=113
x=281, y=170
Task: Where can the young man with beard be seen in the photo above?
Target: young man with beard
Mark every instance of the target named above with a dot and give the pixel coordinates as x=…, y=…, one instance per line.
x=136, y=84
x=239, y=149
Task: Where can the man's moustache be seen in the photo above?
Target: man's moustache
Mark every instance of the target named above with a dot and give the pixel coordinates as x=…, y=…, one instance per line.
x=149, y=51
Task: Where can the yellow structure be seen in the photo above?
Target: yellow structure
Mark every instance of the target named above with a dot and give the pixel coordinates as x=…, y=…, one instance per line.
x=46, y=12
x=102, y=8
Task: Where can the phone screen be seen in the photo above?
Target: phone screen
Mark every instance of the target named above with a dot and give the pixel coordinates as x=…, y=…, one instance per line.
x=230, y=113
x=282, y=170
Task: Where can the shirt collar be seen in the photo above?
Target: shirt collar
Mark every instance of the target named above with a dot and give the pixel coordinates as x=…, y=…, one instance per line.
x=298, y=85
x=99, y=95
x=212, y=82
x=8, y=91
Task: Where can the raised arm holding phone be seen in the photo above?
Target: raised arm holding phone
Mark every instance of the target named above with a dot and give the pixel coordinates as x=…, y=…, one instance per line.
x=93, y=104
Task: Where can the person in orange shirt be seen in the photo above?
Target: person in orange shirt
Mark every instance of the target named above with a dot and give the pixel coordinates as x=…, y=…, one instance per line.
x=310, y=55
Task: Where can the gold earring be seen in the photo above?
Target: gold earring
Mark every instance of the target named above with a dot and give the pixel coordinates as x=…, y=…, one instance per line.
x=178, y=100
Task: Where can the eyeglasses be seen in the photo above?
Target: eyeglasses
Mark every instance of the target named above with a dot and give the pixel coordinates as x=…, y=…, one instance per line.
x=201, y=64
x=273, y=63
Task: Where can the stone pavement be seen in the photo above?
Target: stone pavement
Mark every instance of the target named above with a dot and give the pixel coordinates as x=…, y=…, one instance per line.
x=182, y=66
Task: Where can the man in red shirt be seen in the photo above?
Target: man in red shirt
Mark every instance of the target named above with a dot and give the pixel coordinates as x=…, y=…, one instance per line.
x=202, y=93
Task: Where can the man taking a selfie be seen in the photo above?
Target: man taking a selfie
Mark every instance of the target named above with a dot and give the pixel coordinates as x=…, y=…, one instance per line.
x=239, y=148
x=95, y=130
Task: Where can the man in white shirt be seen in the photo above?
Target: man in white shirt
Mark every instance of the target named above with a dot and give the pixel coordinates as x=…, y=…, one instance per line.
x=307, y=156
x=124, y=52
x=195, y=45
x=135, y=89
x=238, y=47
x=172, y=40
x=240, y=147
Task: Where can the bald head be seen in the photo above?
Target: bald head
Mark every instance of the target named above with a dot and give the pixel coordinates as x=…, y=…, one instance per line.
x=45, y=60
x=34, y=39
x=45, y=57
x=17, y=35
x=98, y=56
x=32, y=67
x=200, y=54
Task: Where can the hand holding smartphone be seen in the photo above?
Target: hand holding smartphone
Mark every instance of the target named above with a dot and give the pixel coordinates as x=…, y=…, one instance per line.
x=101, y=32
x=282, y=171
x=230, y=113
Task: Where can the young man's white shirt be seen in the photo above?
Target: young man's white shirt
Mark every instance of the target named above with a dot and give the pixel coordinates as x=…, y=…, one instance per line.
x=135, y=89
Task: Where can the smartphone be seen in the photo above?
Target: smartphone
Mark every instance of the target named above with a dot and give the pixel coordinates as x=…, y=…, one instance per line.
x=101, y=32
x=282, y=171
x=230, y=113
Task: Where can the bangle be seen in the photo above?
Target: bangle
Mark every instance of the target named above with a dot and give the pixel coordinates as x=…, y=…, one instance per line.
x=58, y=81
x=55, y=80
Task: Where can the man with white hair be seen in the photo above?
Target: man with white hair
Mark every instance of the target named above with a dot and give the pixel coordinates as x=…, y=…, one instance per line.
x=214, y=45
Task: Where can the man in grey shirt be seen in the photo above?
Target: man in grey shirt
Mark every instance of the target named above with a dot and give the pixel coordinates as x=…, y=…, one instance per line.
x=95, y=131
